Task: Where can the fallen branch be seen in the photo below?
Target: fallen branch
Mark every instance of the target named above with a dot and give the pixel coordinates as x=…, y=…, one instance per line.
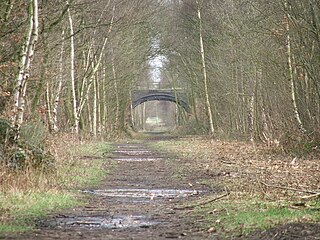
x=201, y=203
x=289, y=188
x=315, y=195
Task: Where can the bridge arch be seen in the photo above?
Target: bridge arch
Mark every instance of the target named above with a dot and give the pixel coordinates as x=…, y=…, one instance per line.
x=141, y=96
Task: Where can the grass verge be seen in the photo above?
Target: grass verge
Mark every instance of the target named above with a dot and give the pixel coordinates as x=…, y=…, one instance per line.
x=18, y=209
x=25, y=196
x=267, y=187
x=241, y=217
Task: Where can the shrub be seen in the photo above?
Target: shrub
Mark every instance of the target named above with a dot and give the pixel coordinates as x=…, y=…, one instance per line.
x=29, y=151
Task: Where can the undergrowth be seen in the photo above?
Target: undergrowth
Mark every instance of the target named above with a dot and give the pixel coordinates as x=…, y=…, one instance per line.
x=267, y=187
x=29, y=193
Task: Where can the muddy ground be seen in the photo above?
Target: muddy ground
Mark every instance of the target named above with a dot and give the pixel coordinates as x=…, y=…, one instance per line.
x=142, y=198
x=136, y=201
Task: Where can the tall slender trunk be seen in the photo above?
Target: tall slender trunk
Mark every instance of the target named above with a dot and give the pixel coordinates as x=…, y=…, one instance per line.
x=131, y=112
x=94, y=108
x=79, y=104
x=291, y=71
x=204, y=70
x=143, y=116
x=76, y=119
x=89, y=117
x=27, y=54
x=55, y=108
x=90, y=78
x=98, y=100
x=251, y=117
x=48, y=103
x=104, y=110
x=116, y=91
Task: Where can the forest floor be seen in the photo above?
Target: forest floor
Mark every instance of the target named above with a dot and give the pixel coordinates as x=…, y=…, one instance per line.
x=167, y=188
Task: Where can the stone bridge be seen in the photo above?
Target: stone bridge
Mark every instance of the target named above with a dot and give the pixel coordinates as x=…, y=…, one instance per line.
x=141, y=96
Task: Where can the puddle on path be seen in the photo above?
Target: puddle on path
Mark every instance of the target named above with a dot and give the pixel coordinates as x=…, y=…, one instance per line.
x=145, y=193
x=132, y=152
x=137, y=159
x=111, y=222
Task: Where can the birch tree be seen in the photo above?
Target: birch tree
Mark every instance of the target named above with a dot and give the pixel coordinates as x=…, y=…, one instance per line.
x=204, y=70
x=291, y=69
x=27, y=53
x=60, y=79
x=72, y=74
x=80, y=101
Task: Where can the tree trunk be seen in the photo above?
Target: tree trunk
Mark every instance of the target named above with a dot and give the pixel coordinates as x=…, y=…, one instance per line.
x=204, y=70
x=115, y=84
x=291, y=72
x=90, y=78
x=103, y=104
x=55, y=108
x=251, y=117
x=49, y=112
x=76, y=119
x=98, y=100
x=94, y=108
x=24, y=66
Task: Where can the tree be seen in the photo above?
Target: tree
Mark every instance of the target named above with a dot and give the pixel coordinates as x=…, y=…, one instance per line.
x=204, y=69
x=26, y=57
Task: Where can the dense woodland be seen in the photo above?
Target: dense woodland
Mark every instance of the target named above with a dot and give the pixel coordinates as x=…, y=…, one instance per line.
x=250, y=68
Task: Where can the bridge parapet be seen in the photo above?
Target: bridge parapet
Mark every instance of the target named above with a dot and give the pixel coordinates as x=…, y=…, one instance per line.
x=177, y=96
x=143, y=92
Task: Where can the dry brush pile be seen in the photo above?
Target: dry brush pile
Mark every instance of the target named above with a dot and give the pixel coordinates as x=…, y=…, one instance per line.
x=252, y=170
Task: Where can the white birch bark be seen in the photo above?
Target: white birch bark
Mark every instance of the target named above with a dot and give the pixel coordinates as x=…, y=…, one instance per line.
x=56, y=102
x=251, y=117
x=78, y=104
x=98, y=100
x=76, y=119
x=27, y=54
x=89, y=117
x=94, y=109
x=48, y=104
x=131, y=111
x=89, y=58
x=87, y=63
x=90, y=78
x=144, y=116
x=115, y=85
x=291, y=72
x=204, y=70
x=104, y=110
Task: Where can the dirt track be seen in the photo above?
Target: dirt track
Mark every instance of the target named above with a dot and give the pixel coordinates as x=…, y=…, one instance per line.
x=139, y=199
x=136, y=201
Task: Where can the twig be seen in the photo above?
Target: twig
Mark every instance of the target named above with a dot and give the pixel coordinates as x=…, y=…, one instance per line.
x=289, y=188
x=201, y=203
x=225, y=162
x=315, y=195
